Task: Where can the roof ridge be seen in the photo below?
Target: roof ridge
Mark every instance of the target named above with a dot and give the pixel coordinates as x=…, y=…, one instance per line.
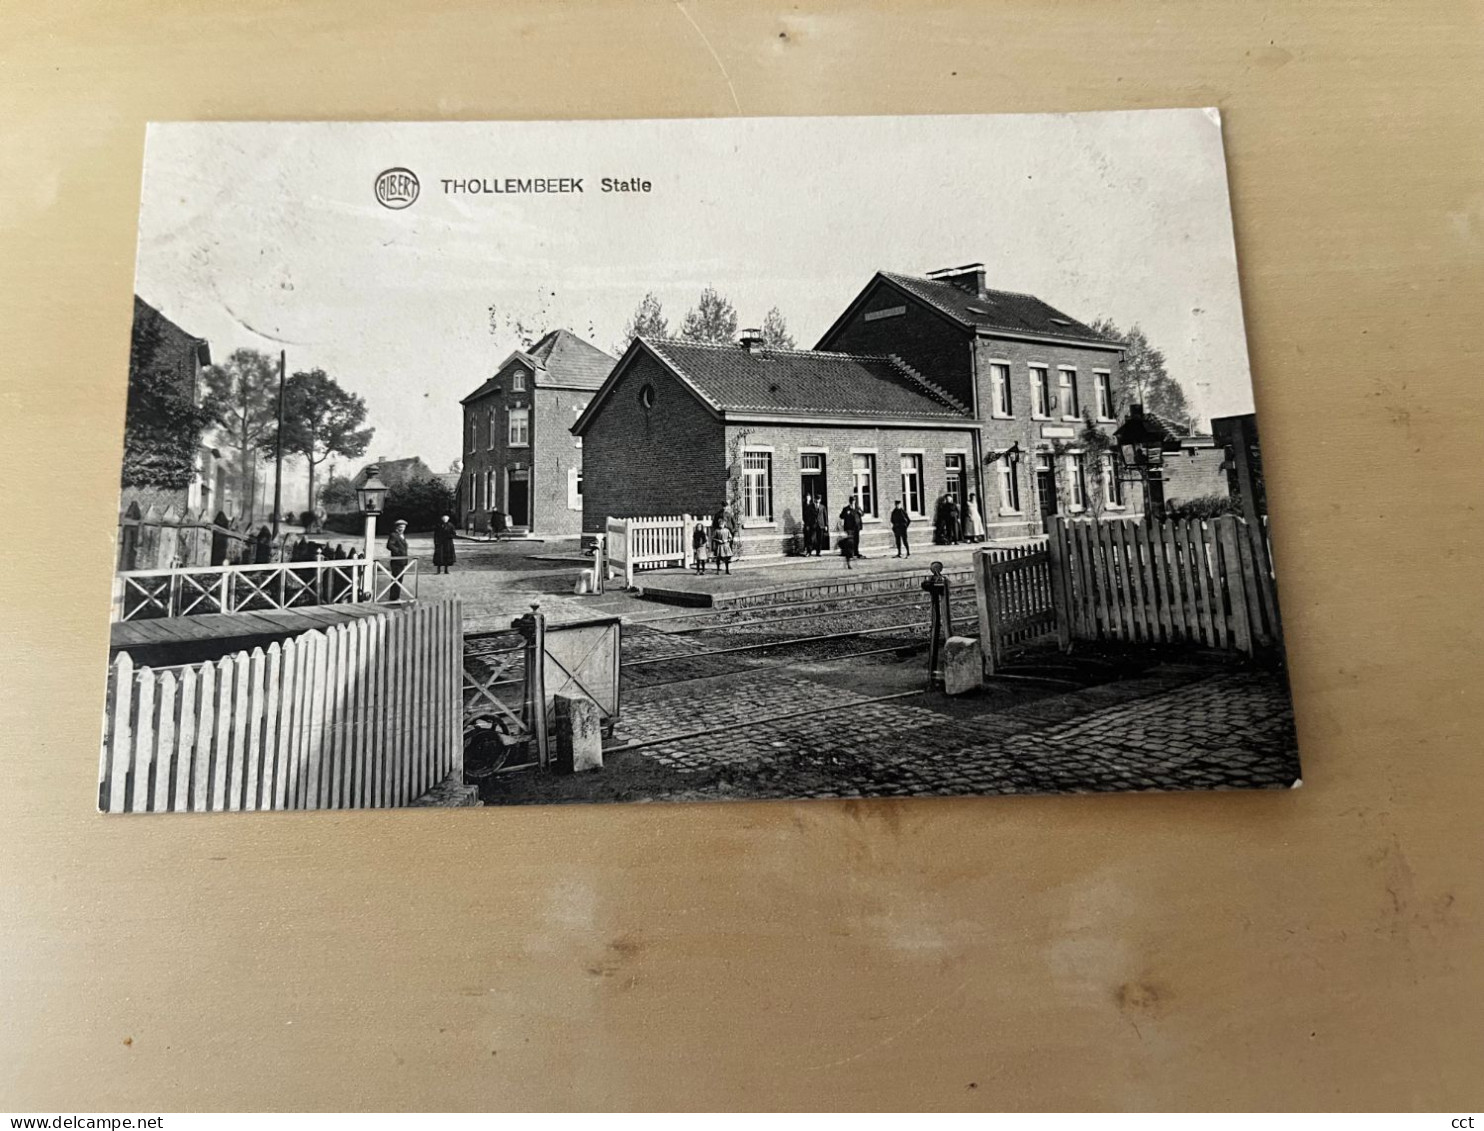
x=772, y=349
x=946, y=283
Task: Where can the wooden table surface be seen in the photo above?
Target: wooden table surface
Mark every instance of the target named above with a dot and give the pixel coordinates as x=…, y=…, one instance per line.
x=1313, y=949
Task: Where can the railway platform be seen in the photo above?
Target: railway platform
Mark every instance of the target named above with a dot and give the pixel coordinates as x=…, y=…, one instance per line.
x=824, y=577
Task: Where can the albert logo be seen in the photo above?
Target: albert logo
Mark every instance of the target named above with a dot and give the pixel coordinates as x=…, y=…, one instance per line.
x=396, y=188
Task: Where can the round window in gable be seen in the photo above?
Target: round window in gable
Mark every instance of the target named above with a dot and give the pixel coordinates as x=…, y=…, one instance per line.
x=646, y=397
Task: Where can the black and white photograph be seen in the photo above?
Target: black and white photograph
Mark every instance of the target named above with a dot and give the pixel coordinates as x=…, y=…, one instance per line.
x=481, y=464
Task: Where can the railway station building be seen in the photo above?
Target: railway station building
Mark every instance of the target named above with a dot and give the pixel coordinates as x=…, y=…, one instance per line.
x=684, y=427
x=924, y=385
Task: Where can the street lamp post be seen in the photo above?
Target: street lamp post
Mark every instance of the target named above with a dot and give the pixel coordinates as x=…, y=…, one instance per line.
x=371, y=495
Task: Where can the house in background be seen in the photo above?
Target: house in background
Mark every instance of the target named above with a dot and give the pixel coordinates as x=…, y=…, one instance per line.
x=395, y=472
x=684, y=427
x=521, y=459
x=1028, y=372
x=162, y=346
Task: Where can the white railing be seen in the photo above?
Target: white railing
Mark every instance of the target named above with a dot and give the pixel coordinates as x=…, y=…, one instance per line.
x=191, y=591
x=631, y=544
x=362, y=714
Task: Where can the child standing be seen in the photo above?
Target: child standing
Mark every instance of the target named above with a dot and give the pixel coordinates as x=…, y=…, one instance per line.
x=699, y=541
x=722, y=539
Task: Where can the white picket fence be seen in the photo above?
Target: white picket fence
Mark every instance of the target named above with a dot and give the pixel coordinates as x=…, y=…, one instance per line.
x=359, y=715
x=631, y=544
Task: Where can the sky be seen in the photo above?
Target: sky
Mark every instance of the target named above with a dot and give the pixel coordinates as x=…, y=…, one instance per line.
x=269, y=236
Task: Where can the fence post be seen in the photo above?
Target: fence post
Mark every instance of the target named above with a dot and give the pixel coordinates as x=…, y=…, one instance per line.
x=686, y=551
x=1061, y=590
x=600, y=563
x=1231, y=572
x=532, y=626
x=984, y=598
x=628, y=568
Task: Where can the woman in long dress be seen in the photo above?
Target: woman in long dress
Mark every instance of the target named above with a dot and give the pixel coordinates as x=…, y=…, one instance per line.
x=975, y=521
x=443, y=551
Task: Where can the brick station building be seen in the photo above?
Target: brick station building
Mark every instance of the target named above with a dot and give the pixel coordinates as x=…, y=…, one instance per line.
x=1028, y=372
x=922, y=386
x=520, y=456
x=682, y=427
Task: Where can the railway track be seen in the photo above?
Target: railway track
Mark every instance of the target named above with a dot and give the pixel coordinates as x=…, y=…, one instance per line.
x=655, y=655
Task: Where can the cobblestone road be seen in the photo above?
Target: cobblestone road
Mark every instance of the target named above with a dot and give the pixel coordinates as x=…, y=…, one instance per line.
x=845, y=717
x=1175, y=727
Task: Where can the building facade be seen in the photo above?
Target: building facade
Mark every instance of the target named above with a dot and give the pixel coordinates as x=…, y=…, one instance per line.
x=684, y=427
x=1031, y=375
x=522, y=465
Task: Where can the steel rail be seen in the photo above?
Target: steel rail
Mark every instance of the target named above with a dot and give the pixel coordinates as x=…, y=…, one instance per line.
x=735, y=624
x=778, y=643
x=757, y=722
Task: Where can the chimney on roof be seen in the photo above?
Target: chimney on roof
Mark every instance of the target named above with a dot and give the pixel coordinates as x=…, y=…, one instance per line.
x=751, y=340
x=969, y=277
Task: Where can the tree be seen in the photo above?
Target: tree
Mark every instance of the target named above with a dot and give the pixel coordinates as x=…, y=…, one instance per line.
x=422, y=500
x=1096, y=444
x=338, y=493
x=320, y=419
x=1142, y=377
x=648, y=321
x=712, y=320
x=775, y=331
x=242, y=394
x=162, y=432
x=162, y=422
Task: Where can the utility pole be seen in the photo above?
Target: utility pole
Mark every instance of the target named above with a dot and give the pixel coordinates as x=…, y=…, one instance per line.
x=278, y=450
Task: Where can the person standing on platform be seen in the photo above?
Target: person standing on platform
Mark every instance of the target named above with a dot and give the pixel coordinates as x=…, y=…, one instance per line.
x=821, y=527
x=811, y=515
x=700, y=539
x=900, y=520
x=443, y=551
x=722, y=545
x=850, y=523
x=974, y=530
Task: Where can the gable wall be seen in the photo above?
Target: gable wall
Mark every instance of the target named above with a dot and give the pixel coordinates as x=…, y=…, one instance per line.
x=661, y=461
x=935, y=347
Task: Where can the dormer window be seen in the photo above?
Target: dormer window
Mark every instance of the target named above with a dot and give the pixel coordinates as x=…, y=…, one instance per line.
x=518, y=381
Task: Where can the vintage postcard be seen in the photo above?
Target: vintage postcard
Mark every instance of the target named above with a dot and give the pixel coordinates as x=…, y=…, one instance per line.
x=505, y=463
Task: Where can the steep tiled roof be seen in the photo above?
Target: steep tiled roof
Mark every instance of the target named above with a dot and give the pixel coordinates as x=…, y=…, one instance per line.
x=559, y=360
x=793, y=382
x=996, y=310
x=565, y=359
x=394, y=471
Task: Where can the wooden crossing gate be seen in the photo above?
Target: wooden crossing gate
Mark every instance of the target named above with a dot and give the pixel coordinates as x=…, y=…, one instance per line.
x=1013, y=589
x=516, y=688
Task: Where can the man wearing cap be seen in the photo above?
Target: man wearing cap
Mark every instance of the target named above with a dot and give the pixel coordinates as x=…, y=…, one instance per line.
x=396, y=548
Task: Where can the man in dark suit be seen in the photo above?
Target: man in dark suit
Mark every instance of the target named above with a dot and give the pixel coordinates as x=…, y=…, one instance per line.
x=900, y=520
x=850, y=522
x=396, y=548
